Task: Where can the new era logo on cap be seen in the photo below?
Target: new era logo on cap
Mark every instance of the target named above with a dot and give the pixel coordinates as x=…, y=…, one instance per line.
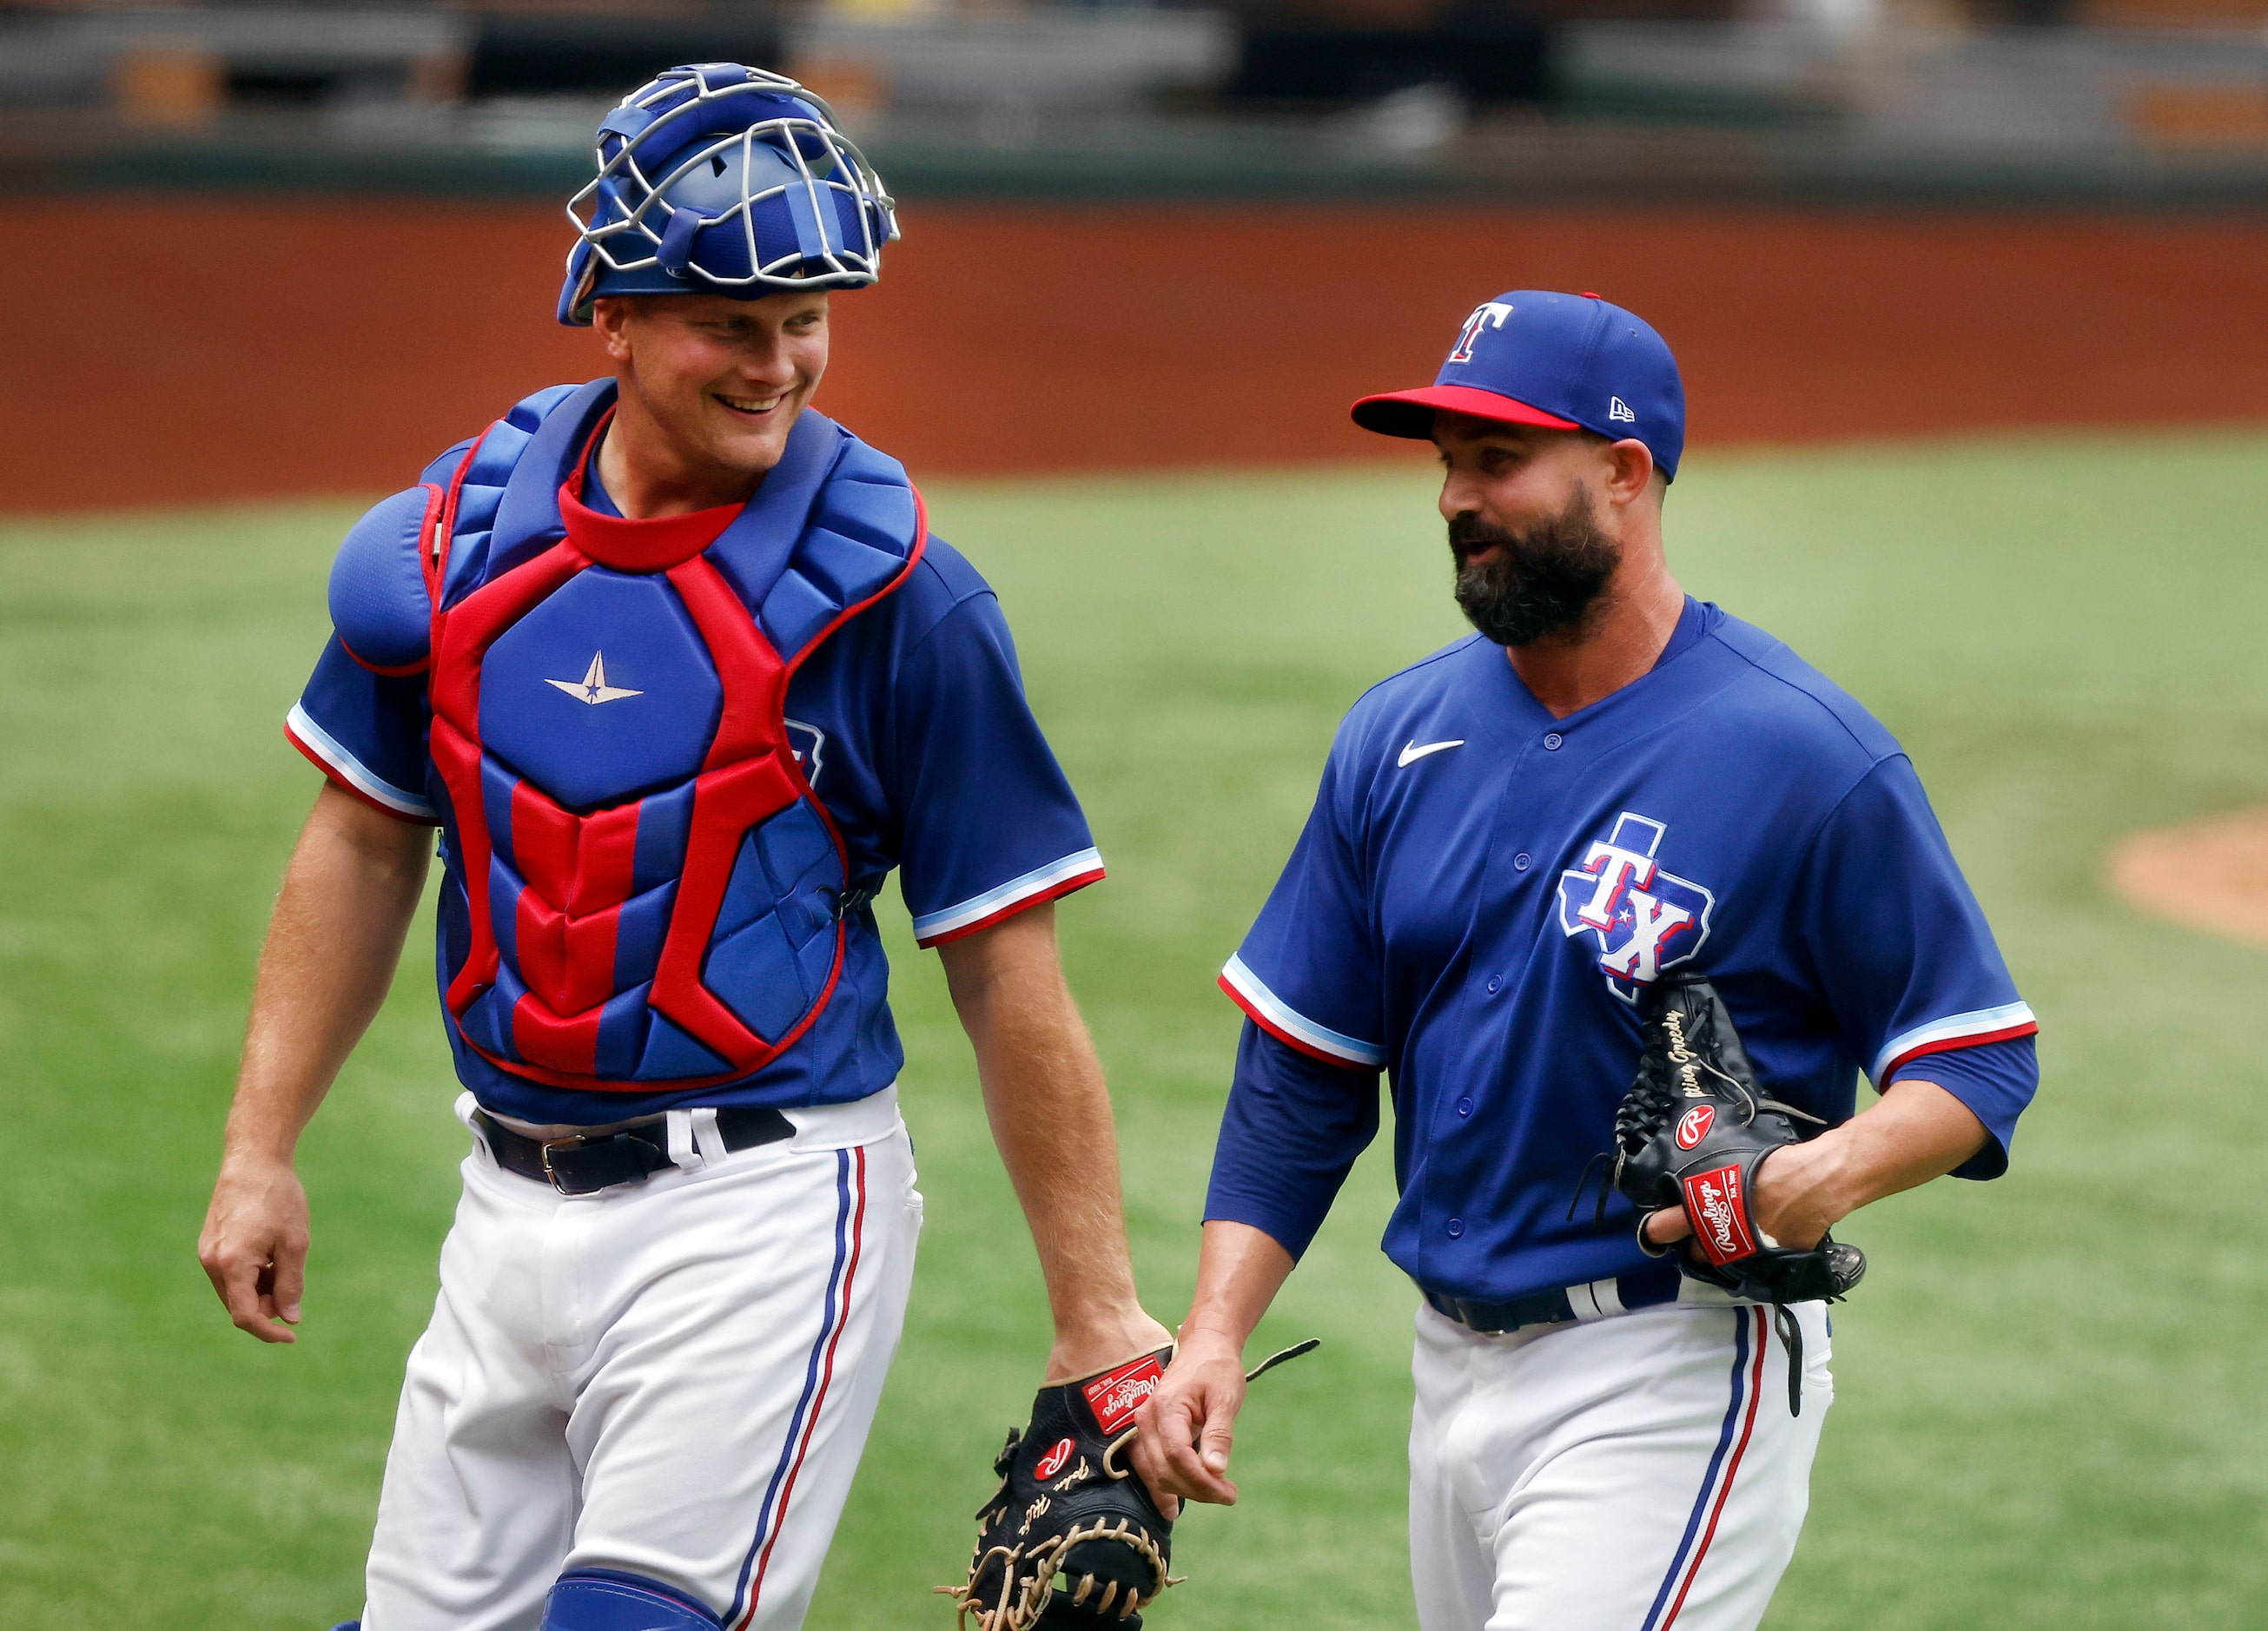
x=1562, y=362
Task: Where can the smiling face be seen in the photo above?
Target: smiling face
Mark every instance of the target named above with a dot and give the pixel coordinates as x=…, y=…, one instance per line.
x=1536, y=522
x=710, y=385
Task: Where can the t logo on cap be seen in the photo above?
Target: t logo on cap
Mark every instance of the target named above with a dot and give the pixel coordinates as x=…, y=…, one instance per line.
x=1489, y=312
x=1559, y=361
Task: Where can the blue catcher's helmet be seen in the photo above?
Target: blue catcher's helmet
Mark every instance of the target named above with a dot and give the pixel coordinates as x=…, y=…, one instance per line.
x=717, y=179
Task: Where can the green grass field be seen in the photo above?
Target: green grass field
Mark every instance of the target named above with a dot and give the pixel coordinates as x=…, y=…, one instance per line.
x=2050, y=1387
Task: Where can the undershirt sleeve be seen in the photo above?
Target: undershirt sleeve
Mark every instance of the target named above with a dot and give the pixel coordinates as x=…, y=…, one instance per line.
x=1995, y=1080
x=1289, y=1136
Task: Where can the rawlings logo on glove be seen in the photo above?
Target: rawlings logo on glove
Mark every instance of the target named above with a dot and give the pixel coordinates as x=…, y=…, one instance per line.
x=1690, y=1134
x=1718, y=1211
x=1117, y=1396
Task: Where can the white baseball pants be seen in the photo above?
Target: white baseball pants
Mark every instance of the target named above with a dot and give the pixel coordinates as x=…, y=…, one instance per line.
x=674, y=1379
x=1635, y=1472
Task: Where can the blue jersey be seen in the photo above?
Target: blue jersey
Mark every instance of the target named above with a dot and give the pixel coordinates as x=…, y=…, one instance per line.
x=1483, y=889
x=911, y=725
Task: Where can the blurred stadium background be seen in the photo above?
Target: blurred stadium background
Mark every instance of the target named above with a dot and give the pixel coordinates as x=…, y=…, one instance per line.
x=1972, y=302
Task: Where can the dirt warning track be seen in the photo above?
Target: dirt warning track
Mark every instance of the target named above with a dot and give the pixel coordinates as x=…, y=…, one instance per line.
x=184, y=348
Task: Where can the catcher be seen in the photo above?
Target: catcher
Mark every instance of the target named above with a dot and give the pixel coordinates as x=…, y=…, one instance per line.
x=1524, y=849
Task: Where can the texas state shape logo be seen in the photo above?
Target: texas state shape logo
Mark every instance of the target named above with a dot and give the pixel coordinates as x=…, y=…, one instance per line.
x=1642, y=918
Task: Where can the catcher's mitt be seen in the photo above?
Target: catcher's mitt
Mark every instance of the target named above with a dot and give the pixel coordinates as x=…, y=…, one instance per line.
x=1690, y=1133
x=1069, y=1506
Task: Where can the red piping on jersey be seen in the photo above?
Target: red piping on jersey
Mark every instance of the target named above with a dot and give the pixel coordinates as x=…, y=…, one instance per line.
x=1725, y=1490
x=749, y=773
x=1951, y=1044
x=1258, y=1019
x=1053, y=892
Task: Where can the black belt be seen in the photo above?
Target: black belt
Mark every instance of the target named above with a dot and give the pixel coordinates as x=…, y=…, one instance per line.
x=582, y=1166
x=1642, y=1287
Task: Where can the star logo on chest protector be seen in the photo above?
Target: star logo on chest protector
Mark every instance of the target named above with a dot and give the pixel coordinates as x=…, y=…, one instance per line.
x=1642, y=918
x=592, y=686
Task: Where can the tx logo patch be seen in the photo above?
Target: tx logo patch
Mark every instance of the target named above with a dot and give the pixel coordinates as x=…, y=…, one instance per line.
x=1643, y=919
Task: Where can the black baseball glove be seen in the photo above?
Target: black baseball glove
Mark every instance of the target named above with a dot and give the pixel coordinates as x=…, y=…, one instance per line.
x=1069, y=1507
x=1690, y=1133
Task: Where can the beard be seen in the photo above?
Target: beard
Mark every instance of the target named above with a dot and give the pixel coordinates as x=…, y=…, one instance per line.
x=1543, y=581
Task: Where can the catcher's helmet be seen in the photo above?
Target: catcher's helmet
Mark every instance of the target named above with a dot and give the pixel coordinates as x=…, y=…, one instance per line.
x=717, y=179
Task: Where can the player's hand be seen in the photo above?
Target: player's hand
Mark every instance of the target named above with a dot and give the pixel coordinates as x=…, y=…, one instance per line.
x=254, y=1246
x=1796, y=1200
x=1185, y=1430
x=1798, y=1192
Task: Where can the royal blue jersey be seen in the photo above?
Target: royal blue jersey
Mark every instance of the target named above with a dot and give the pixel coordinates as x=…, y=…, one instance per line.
x=1483, y=889
x=911, y=724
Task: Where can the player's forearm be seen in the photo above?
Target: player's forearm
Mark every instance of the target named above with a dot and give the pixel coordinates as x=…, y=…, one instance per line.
x=1239, y=1270
x=1917, y=1132
x=1051, y=1117
x=348, y=895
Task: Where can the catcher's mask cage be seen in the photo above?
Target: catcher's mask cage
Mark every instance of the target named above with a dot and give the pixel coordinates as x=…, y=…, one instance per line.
x=720, y=178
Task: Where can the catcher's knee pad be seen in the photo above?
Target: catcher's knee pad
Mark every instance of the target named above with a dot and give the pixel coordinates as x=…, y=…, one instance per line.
x=609, y=1599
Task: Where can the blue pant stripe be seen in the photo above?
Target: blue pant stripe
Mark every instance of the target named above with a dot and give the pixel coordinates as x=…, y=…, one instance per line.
x=829, y=1316
x=1716, y=1461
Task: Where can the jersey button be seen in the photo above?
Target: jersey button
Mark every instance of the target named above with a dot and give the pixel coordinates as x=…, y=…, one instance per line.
x=1456, y=1228
x=1552, y=741
x=1495, y=984
x=1519, y=862
x=1464, y=1106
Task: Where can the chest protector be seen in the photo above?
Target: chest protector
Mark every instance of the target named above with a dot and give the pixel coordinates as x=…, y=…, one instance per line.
x=652, y=895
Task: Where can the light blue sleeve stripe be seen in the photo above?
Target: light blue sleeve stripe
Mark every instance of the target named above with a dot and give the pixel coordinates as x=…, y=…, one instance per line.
x=1250, y=987
x=930, y=925
x=1982, y=1022
x=351, y=770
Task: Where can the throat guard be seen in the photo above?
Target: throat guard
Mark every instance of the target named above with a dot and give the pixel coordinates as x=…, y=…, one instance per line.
x=646, y=893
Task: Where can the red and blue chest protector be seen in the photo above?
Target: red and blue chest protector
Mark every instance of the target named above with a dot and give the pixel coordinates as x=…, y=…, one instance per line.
x=653, y=895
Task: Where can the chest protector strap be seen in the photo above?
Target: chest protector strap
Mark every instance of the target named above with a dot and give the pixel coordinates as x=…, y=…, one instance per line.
x=650, y=892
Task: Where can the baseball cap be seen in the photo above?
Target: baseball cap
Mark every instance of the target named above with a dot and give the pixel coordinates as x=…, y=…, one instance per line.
x=1531, y=356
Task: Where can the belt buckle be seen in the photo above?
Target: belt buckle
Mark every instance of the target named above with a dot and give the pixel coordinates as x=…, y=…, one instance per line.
x=544, y=1151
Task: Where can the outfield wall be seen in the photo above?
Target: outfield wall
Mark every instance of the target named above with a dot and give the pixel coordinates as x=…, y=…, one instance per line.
x=194, y=348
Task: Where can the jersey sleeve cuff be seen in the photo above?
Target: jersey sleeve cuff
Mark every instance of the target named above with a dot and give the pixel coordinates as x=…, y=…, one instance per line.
x=1050, y=882
x=326, y=753
x=1980, y=1025
x=1287, y=1025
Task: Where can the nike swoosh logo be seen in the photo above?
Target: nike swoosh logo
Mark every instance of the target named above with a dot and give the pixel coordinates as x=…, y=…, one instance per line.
x=1411, y=752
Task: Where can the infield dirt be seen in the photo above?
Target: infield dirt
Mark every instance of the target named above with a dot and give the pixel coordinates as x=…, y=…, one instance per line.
x=2161, y=871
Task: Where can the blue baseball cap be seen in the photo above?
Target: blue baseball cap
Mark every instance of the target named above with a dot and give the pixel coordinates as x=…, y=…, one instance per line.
x=1564, y=362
